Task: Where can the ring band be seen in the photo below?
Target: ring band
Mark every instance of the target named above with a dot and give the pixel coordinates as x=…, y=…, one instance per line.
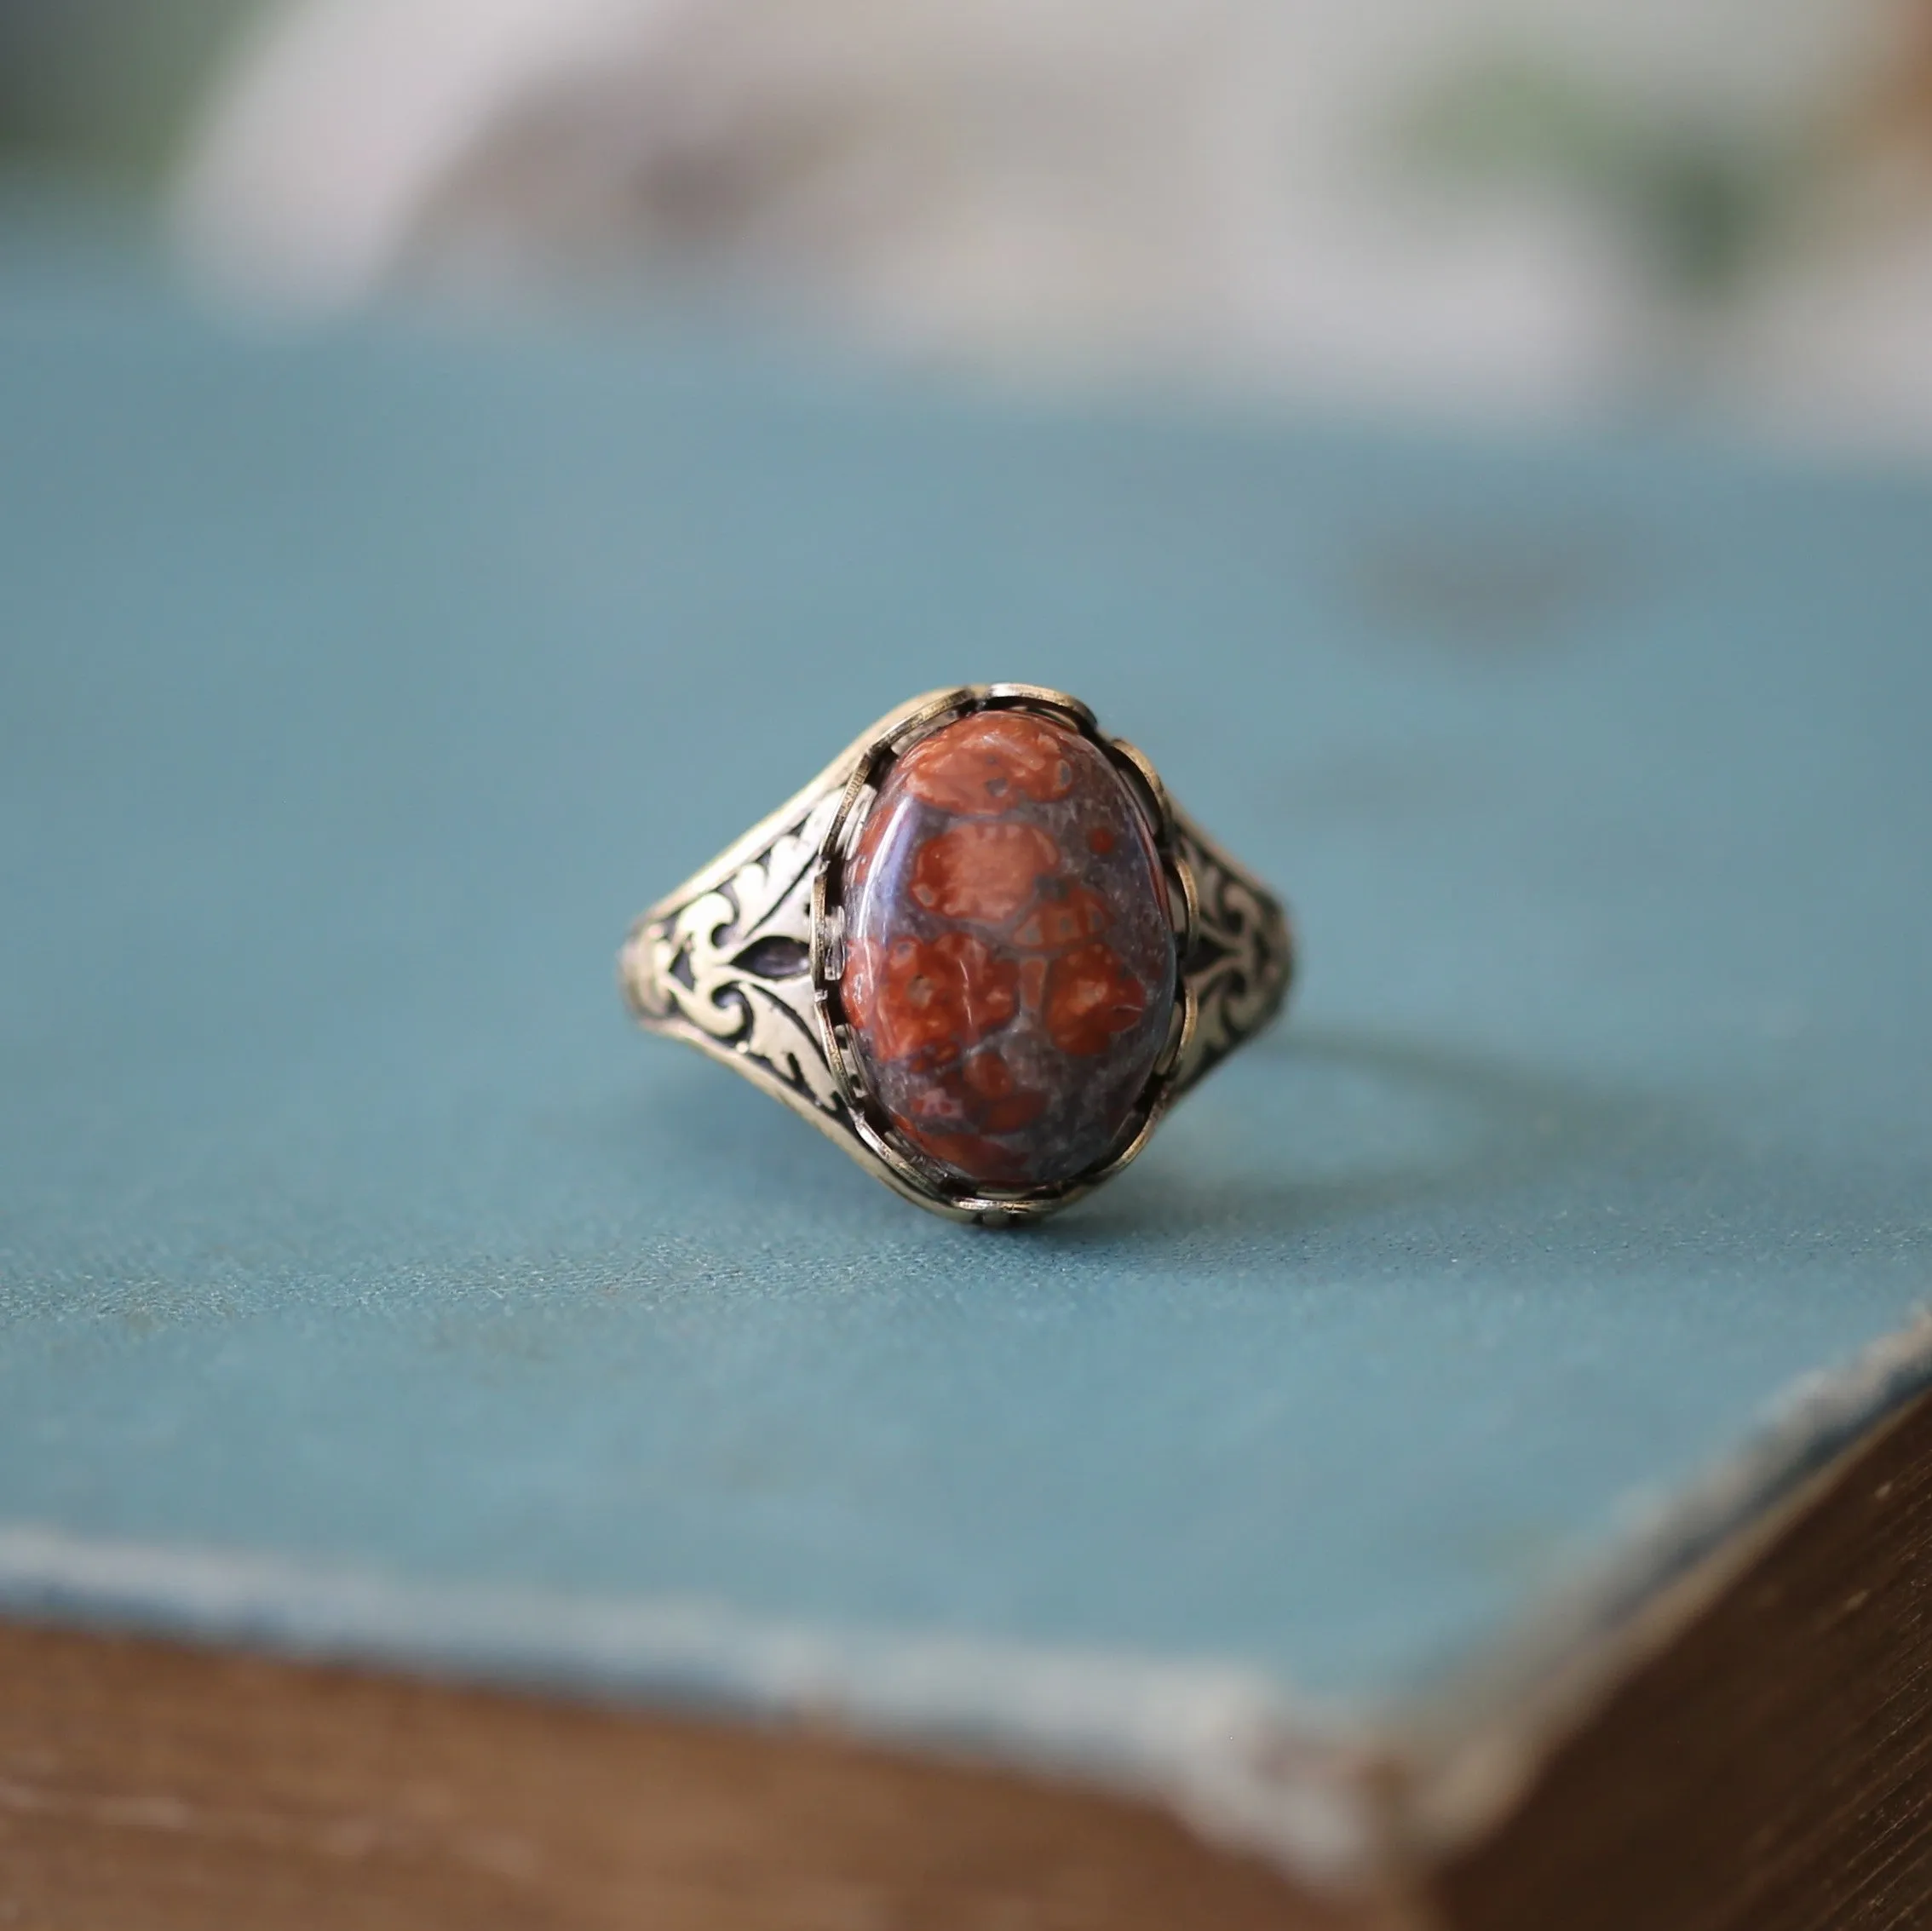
x=981, y=950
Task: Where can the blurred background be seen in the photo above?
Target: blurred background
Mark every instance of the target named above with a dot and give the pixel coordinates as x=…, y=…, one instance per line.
x=1552, y=210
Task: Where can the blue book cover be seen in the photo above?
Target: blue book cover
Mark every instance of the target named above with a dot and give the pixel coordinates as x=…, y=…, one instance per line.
x=372, y=1289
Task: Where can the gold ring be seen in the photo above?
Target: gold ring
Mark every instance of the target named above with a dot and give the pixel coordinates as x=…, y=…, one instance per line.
x=981, y=950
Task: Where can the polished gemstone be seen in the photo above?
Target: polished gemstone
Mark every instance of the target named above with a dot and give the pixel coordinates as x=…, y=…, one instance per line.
x=1010, y=958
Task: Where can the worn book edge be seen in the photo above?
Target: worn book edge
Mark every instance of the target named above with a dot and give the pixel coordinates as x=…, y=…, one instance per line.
x=1342, y=1799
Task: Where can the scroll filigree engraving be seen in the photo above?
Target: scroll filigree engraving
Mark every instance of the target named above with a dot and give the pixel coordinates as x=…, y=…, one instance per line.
x=1241, y=960
x=729, y=966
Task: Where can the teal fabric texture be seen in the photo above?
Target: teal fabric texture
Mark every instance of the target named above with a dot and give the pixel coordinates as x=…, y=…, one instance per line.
x=357, y=688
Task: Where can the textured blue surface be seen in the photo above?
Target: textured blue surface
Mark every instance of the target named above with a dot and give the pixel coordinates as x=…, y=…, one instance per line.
x=355, y=691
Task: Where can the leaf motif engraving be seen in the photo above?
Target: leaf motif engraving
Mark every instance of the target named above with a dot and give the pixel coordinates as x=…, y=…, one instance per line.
x=774, y=956
x=1239, y=963
x=732, y=961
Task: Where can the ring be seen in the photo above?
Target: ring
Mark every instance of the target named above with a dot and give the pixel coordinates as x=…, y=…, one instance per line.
x=981, y=950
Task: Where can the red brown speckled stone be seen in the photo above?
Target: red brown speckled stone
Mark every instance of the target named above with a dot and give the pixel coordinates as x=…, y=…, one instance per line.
x=1009, y=966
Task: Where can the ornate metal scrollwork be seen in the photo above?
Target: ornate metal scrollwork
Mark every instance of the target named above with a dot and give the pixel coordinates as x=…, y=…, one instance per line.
x=1240, y=962
x=729, y=965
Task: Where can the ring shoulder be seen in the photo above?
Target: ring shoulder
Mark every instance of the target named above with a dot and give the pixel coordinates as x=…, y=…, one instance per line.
x=728, y=965
x=1241, y=960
